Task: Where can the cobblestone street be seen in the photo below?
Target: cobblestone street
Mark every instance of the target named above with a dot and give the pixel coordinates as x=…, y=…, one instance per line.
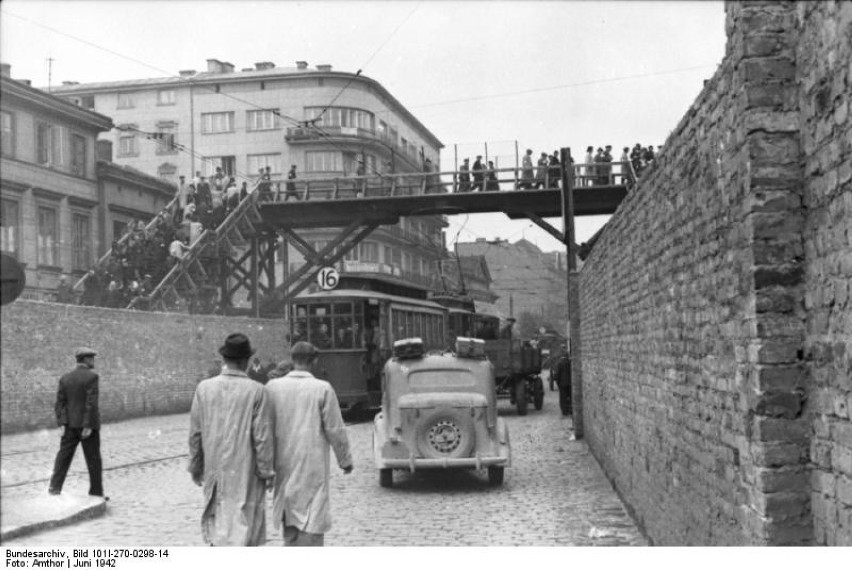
x=554, y=493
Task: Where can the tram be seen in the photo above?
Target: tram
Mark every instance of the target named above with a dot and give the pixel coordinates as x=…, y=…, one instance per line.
x=354, y=327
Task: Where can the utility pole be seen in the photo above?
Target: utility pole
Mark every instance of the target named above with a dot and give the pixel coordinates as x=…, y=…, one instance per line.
x=573, y=293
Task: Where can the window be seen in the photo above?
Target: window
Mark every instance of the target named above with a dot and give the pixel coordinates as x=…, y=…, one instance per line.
x=228, y=164
x=166, y=97
x=261, y=120
x=78, y=155
x=125, y=101
x=323, y=161
x=343, y=117
x=87, y=102
x=258, y=161
x=118, y=229
x=393, y=136
x=9, y=226
x=127, y=145
x=81, y=248
x=42, y=143
x=47, y=243
x=217, y=122
x=369, y=251
x=7, y=145
x=166, y=138
x=50, y=147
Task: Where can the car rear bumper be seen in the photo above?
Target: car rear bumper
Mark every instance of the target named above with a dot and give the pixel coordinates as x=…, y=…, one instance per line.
x=414, y=463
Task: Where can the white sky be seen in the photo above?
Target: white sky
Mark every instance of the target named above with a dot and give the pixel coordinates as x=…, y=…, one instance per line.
x=545, y=74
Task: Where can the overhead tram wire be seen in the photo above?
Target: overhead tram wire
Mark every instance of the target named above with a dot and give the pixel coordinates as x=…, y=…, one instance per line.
x=169, y=75
x=564, y=86
x=369, y=59
x=277, y=113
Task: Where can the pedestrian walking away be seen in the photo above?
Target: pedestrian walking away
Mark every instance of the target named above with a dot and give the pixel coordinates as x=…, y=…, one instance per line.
x=230, y=450
x=308, y=423
x=79, y=418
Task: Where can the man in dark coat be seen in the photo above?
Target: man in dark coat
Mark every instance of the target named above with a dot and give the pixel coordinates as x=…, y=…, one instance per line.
x=562, y=375
x=79, y=418
x=464, y=176
x=478, y=175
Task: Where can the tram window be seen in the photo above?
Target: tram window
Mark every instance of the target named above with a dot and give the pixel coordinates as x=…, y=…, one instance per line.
x=300, y=330
x=343, y=308
x=320, y=310
x=301, y=311
x=359, y=308
x=397, y=327
x=320, y=333
x=343, y=333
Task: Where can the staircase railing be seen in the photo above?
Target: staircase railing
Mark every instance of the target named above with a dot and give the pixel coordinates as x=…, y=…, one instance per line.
x=205, y=239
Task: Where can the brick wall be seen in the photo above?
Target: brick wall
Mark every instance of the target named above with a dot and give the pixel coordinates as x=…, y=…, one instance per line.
x=715, y=322
x=824, y=54
x=149, y=363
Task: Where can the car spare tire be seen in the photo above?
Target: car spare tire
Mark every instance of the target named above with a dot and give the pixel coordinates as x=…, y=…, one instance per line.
x=447, y=433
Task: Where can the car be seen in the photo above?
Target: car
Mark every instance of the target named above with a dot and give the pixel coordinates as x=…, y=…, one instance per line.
x=439, y=411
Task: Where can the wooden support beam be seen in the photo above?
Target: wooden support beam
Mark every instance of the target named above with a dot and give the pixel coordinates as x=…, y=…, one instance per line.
x=543, y=224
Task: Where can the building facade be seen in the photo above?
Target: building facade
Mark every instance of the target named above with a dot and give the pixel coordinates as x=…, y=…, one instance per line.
x=325, y=123
x=48, y=187
x=61, y=204
x=526, y=279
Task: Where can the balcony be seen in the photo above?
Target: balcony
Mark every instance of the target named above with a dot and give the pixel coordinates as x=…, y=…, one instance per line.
x=302, y=135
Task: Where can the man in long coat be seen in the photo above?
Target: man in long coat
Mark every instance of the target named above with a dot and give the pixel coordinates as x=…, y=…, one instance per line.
x=308, y=423
x=230, y=450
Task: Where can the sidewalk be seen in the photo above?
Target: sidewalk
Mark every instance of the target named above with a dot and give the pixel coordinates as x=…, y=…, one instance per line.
x=26, y=461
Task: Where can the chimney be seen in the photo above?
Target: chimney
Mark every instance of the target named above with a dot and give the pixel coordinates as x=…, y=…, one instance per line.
x=227, y=67
x=261, y=65
x=480, y=240
x=214, y=66
x=70, y=83
x=187, y=72
x=26, y=82
x=247, y=69
x=6, y=69
x=301, y=65
x=324, y=67
x=103, y=150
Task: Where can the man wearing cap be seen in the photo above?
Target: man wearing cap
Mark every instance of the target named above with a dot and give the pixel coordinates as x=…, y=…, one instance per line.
x=80, y=421
x=307, y=423
x=230, y=450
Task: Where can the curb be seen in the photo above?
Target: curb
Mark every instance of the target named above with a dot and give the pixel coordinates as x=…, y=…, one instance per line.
x=92, y=511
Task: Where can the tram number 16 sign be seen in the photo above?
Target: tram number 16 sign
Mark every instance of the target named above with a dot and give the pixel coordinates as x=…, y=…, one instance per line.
x=327, y=278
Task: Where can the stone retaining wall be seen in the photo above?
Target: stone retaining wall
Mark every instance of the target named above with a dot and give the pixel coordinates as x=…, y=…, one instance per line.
x=149, y=363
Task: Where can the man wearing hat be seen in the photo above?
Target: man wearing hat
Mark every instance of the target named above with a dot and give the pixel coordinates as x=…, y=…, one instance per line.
x=307, y=423
x=80, y=421
x=230, y=450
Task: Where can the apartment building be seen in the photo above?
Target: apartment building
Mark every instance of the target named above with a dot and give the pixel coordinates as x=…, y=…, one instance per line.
x=60, y=206
x=325, y=122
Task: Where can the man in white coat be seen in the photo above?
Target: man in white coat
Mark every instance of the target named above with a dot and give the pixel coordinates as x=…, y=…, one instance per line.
x=307, y=423
x=230, y=450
